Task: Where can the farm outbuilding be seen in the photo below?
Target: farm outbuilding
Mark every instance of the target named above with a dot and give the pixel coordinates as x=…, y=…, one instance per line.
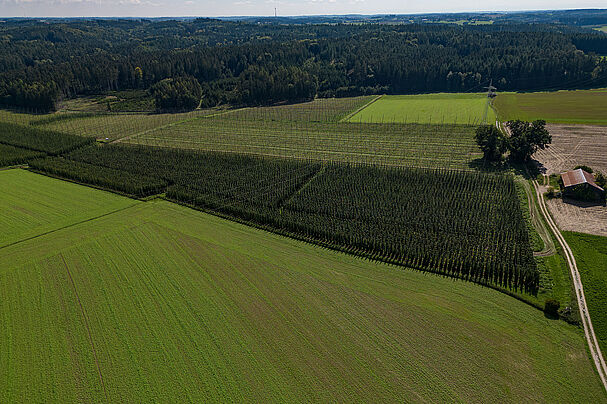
x=579, y=184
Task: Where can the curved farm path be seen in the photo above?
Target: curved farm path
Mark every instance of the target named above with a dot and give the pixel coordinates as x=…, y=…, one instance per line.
x=593, y=344
x=549, y=247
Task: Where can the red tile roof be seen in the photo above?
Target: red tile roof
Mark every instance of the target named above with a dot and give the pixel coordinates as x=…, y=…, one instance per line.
x=577, y=177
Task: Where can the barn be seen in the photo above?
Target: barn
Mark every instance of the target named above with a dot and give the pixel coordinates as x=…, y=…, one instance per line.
x=578, y=184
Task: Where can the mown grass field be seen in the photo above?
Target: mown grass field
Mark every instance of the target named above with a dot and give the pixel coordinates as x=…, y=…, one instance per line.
x=443, y=108
x=566, y=107
x=161, y=303
x=591, y=256
x=31, y=204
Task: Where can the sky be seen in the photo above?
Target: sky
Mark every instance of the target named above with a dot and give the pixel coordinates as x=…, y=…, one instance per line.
x=214, y=8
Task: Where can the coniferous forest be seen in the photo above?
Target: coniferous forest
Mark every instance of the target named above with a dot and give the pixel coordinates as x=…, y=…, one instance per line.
x=241, y=63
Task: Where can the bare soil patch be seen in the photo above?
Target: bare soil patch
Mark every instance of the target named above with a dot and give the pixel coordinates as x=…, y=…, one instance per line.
x=574, y=145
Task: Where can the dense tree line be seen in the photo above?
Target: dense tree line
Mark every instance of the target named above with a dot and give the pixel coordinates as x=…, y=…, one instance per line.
x=241, y=63
x=466, y=225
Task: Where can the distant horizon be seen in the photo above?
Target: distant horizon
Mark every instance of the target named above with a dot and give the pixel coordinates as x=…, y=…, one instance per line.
x=265, y=8
x=301, y=15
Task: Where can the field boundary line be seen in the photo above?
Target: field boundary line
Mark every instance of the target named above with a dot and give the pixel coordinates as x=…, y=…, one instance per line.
x=66, y=227
x=168, y=125
x=86, y=324
x=351, y=114
x=593, y=345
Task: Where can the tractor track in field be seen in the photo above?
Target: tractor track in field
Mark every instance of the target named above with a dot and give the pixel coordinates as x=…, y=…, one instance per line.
x=86, y=324
x=593, y=345
x=535, y=216
x=64, y=227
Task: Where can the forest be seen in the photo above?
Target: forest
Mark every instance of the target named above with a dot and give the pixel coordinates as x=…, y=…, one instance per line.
x=243, y=64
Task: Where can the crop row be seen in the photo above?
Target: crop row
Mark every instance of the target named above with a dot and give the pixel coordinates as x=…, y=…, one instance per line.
x=418, y=145
x=47, y=141
x=117, y=180
x=10, y=155
x=467, y=225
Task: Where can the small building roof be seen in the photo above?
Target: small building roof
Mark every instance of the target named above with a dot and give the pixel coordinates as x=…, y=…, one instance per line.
x=577, y=177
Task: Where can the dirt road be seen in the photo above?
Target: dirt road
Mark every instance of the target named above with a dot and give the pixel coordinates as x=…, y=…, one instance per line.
x=595, y=350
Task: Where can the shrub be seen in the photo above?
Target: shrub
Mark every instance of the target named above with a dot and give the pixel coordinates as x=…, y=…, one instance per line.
x=585, y=168
x=551, y=308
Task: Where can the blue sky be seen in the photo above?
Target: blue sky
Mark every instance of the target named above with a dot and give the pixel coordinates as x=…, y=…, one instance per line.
x=157, y=8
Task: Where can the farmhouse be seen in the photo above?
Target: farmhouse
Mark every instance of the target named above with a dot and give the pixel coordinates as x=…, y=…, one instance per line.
x=578, y=184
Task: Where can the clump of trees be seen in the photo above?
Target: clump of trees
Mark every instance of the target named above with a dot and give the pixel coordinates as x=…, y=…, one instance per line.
x=526, y=138
x=522, y=141
x=492, y=142
x=177, y=94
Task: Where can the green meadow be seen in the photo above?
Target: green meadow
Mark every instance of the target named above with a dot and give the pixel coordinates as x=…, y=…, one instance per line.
x=154, y=302
x=442, y=108
x=591, y=256
x=31, y=204
x=566, y=107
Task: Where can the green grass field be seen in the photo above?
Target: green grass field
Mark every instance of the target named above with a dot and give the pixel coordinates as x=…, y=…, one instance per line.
x=573, y=107
x=591, y=256
x=443, y=108
x=162, y=303
x=56, y=204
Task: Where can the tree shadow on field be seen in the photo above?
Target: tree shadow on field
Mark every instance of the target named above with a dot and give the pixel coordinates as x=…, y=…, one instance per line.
x=529, y=170
x=551, y=316
x=482, y=165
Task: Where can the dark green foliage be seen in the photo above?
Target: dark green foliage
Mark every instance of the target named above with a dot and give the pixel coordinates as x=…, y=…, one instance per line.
x=239, y=62
x=466, y=225
x=600, y=179
x=117, y=180
x=491, y=141
x=585, y=168
x=177, y=94
x=216, y=180
x=10, y=155
x=551, y=308
x=39, y=95
x=40, y=140
x=526, y=138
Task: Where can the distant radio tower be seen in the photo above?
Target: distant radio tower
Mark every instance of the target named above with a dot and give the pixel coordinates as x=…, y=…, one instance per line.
x=275, y=13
